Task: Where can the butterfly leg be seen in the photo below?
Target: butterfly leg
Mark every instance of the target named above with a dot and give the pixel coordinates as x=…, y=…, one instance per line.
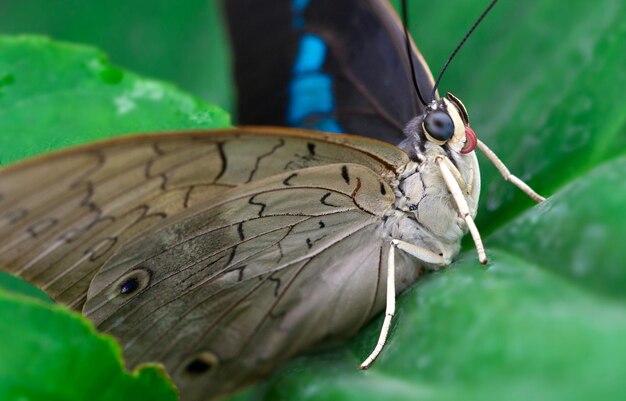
x=461, y=203
x=421, y=254
x=506, y=174
x=391, y=307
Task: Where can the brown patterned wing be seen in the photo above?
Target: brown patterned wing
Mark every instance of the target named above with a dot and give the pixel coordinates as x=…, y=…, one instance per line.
x=63, y=215
x=225, y=292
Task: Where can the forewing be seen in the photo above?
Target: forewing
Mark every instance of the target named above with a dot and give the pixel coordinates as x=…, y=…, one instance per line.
x=270, y=269
x=63, y=215
x=338, y=66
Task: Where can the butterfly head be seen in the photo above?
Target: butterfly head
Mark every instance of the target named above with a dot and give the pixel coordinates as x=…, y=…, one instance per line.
x=445, y=123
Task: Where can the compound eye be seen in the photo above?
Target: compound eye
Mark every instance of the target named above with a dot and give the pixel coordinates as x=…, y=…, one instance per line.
x=439, y=126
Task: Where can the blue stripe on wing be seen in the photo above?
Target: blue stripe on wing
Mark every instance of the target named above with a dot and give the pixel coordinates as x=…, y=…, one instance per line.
x=311, y=98
x=297, y=7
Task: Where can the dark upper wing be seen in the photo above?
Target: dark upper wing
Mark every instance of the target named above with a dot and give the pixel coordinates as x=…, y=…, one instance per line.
x=331, y=65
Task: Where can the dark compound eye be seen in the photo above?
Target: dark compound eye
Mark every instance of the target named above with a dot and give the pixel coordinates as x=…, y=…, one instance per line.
x=439, y=126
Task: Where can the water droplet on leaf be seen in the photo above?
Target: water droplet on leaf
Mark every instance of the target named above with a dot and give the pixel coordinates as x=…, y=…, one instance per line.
x=107, y=72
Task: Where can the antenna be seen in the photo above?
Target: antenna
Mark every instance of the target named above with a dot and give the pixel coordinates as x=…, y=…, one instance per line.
x=405, y=22
x=467, y=35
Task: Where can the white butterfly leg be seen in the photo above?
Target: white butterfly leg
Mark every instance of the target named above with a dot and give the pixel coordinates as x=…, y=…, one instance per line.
x=461, y=203
x=506, y=174
x=391, y=307
x=421, y=254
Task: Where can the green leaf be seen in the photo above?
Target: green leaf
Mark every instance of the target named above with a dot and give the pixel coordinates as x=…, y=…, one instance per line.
x=578, y=233
x=53, y=95
x=49, y=353
x=181, y=42
x=10, y=283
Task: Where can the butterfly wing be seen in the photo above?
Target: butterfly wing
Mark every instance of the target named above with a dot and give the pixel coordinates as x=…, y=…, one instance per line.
x=229, y=290
x=253, y=243
x=63, y=215
x=335, y=66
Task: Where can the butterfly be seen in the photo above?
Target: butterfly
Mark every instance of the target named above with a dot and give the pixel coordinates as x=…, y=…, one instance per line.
x=223, y=253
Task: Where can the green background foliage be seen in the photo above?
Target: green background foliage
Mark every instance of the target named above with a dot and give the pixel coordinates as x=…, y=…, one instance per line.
x=49, y=353
x=543, y=82
x=56, y=95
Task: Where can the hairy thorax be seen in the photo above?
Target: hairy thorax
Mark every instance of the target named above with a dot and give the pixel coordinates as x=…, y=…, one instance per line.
x=424, y=212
